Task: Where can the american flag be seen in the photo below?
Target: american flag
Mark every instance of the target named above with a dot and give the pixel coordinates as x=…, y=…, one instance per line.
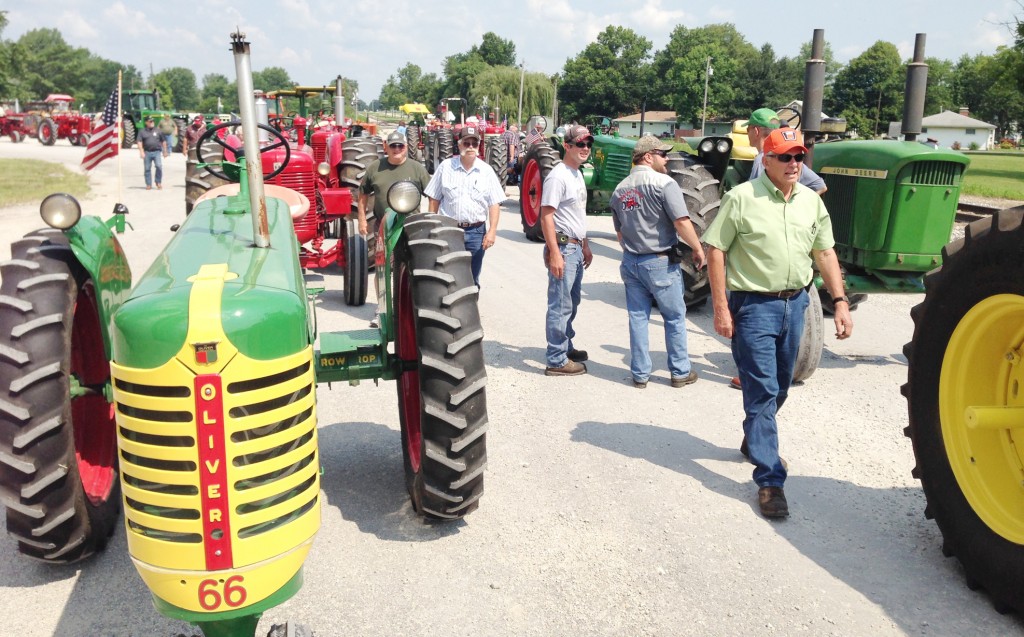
x=104, y=140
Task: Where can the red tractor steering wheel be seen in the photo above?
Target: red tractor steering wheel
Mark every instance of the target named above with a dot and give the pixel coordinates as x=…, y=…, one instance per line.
x=211, y=134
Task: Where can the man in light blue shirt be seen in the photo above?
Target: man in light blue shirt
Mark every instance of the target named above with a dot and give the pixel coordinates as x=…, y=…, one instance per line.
x=466, y=189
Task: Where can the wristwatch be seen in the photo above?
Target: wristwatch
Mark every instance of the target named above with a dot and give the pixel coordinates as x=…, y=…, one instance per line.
x=843, y=298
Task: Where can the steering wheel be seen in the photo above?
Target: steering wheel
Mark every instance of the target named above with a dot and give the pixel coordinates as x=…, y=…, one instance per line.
x=240, y=151
x=789, y=115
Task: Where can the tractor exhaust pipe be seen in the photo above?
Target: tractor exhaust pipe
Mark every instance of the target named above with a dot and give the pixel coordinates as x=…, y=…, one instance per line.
x=339, y=104
x=913, y=100
x=814, y=89
x=253, y=161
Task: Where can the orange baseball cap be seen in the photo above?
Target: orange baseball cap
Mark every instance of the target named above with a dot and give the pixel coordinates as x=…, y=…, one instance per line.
x=784, y=140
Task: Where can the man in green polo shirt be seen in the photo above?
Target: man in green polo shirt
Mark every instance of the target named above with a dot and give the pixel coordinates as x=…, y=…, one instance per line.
x=768, y=230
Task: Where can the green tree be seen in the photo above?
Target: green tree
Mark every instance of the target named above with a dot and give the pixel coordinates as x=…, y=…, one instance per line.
x=868, y=92
x=940, y=86
x=611, y=76
x=681, y=67
x=217, y=86
x=51, y=65
x=271, y=78
x=989, y=85
x=459, y=71
x=409, y=85
x=496, y=51
x=177, y=88
x=499, y=85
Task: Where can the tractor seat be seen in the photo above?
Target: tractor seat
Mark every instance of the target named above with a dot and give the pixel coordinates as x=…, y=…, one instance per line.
x=298, y=203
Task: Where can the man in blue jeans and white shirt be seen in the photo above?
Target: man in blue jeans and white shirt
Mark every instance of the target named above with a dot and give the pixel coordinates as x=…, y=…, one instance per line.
x=466, y=189
x=648, y=212
x=563, y=219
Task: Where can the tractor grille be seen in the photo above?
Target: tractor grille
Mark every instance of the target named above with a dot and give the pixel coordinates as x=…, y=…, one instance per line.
x=306, y=227
x=319, y=144
x=841, y=200
x=262, y=426
x=932, y=173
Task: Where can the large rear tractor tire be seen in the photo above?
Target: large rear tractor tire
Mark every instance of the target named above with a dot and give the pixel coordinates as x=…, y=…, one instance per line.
x=428, y=152
x=412, y=142
x=356, y=264
x=47, y=132
x=539, y=161
x=58, y=445
x=130, y=133
x=356, y=156
x=700, y=192
x=497, y=158
x=198, y=180
x=444, y=146
x=439, y=340
x=812, y=340
x=965, y=393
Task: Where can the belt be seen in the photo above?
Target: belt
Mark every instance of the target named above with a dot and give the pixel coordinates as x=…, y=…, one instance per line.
x=783, y=294
x=564, y=239
x=471, y=225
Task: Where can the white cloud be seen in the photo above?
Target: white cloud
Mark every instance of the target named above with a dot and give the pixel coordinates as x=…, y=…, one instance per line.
x=74, y=27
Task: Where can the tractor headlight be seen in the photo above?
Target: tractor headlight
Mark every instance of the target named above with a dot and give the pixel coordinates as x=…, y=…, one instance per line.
x=404, y=197
x=323, y=168
x=723, y=146
x=60, y=211
x=707, y=145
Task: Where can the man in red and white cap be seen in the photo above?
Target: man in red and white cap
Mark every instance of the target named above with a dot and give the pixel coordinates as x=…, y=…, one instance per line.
x=563, y=219
x=768, y=230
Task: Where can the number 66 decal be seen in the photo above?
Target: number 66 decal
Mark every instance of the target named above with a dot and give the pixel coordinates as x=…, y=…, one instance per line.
x=233, y=595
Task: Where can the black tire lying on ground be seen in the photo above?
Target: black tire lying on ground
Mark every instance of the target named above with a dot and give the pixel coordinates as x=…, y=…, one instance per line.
x=442, y=403
x=58, y=446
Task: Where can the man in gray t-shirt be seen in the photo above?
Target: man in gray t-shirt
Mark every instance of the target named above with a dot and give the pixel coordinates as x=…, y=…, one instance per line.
x=649, y=213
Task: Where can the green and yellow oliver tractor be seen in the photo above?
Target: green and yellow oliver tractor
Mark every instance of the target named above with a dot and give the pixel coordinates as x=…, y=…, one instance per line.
x=190, y=398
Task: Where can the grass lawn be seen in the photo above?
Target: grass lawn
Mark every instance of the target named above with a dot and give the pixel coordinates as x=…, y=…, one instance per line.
x=995, y=174
x=28, y=180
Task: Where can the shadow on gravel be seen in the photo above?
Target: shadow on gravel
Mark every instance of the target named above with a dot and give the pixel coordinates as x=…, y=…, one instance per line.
x=363, y=477
x=871, y=539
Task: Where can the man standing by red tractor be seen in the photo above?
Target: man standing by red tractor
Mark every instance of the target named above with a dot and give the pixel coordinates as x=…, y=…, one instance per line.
x=381, y=175
x=192, y=134
x=768, y=230
x=566, y=252
x=466, y=189
x=152, y=148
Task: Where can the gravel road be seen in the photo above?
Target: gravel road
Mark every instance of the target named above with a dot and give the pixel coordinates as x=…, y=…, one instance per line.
x=608, y=510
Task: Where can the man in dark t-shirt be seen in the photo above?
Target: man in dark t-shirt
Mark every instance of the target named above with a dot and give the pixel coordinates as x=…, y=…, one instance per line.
x=381, y=175
x=151, y=148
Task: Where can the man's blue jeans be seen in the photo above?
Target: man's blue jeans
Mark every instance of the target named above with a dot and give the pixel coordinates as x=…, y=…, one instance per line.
x=475, y=244
x=153, y=157
x=563, y=299
x=765, y=342
x=650, y=277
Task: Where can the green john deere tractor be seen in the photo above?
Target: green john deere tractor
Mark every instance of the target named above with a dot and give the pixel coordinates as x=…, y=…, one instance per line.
x=136, y=106
x=190, y=399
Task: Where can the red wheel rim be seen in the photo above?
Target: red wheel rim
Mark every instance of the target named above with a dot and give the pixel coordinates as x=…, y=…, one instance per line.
x=531, y=193
x=91, y=415
x=409, y=381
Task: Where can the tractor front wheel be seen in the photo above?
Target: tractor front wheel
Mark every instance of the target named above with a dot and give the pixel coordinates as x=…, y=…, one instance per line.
x=16, y=136
x=439, y=344
x=497, y=158
x=356, y=264
x=539, y=161
x=964, y=393
x=58, y=446
x=47, y=132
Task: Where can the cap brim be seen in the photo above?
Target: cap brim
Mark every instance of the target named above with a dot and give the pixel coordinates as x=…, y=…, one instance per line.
x=788, y=148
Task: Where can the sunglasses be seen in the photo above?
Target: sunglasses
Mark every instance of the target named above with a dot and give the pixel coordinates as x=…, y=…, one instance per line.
x=469, y=143
x=787, y=157
x=396, y=146
x=583, y=144
x=660, y=153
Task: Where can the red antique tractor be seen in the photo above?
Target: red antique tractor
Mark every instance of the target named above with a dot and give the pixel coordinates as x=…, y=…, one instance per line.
x=13, y=125
x=63, y=123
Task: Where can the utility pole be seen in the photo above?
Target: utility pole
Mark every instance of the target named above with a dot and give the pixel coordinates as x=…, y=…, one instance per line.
x=522, y=76
x=704, y=110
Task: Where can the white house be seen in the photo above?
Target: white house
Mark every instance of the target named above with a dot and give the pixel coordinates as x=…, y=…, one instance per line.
x=659, y=123
x=948, y=128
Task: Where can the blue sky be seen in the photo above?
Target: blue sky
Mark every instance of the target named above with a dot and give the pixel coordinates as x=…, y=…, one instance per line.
x=368, y=41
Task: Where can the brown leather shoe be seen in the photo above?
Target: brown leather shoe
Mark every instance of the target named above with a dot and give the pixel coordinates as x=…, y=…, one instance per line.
x=571, y=368
x=735, y=383
x=772, y=501
x=683, y=381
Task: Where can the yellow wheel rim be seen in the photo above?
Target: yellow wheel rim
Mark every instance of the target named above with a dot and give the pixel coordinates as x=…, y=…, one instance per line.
x=981, y=409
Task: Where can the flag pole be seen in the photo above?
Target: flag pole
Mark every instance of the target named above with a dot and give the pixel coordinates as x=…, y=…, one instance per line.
x=120, y=140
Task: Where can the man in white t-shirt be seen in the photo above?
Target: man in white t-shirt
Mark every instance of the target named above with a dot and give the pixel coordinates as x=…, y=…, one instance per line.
x=563, y=220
